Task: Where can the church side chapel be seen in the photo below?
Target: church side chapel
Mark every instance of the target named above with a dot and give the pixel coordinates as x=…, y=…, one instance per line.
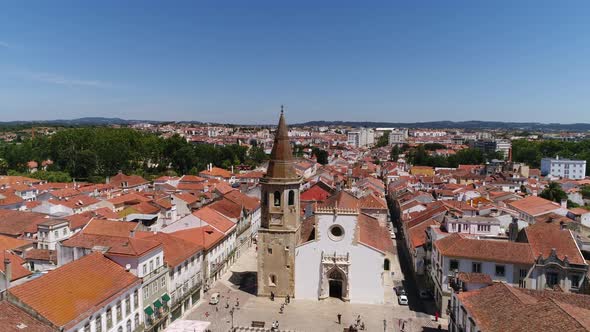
x=340, y=251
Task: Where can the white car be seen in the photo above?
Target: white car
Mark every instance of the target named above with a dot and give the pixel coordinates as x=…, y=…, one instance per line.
x=402, y=300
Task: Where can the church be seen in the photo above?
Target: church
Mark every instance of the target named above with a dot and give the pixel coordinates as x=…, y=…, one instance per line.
x=337, y=252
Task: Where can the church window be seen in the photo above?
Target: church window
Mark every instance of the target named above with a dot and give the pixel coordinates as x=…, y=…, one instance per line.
x=269, y=250
x=291, y=197
x=272, y=280
x=277, y=198
x=336, y=232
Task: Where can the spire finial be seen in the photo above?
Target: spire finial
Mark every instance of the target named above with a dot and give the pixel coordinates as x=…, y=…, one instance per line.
x=282, y=106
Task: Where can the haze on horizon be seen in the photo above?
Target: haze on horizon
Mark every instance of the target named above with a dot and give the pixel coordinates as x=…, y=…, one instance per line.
x=337, y=60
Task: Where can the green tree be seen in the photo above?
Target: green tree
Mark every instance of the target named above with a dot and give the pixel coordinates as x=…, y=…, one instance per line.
x=553, y=192
x=321, y=155
x=395, y=152
x=383, y=140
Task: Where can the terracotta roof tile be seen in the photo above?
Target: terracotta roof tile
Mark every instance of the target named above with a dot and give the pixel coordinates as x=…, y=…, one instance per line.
x=74, y=291
x=176, y=249
x=544, y=237
x=458, y=246
x=214, y=219
x=18, y=270
x=205, y=236
x=373, y=234
x=111, y=228
x=534, y=205
x=227, y=208
x=13, y=319
x=249, y=203
x=417, y=233
x=15, y=223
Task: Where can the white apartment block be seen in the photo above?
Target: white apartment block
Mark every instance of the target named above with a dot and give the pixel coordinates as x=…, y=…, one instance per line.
x=563, y=168
x=398, y=136
x=362, y=137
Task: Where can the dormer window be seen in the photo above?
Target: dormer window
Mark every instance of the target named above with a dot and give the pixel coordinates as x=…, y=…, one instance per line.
x=277, y=198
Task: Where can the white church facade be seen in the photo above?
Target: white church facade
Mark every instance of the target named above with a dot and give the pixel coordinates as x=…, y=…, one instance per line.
x=337, y=252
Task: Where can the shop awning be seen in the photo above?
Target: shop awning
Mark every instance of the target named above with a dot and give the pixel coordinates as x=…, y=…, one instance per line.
x=157, y=304
x=149, y=311
x=165, y=297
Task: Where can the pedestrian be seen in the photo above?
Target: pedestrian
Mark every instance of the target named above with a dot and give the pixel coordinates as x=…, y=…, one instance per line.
x=272, y=296
x=288, y=299
x=358, y=320
x=339, y=318
x=362, y=326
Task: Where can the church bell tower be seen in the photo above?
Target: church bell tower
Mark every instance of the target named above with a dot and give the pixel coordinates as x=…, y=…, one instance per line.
x=279, y=230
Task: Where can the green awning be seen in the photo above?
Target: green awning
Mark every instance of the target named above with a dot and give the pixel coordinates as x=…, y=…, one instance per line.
x=149, y=311
x=157, y=304
x=165, y=297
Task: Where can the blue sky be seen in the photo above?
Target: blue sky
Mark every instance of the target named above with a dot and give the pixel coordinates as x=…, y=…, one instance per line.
x=238, y=61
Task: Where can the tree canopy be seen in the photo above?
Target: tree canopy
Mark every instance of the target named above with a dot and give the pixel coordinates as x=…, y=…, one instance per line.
x=88, y=153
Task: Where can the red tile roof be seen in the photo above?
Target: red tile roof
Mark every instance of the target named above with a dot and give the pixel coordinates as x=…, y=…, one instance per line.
x=417, y=233
x=372, y=234
x=131, y=198
x=15, y=223
x=249, y=203
x=18, y=271
x=457, y=246
x=216, y=172
x=315, y=194
x=227, y=208
x=117, y=245
x=41, y=255
x=76, y=290
x=500, y=308
x=9, y=243
x=15, y=319
x=214, y=219
x=176, y=249
x=188, y=198
x=205, y=236
x=110, y=228
x=543, y=237
x=534, y=205
x=132, y=180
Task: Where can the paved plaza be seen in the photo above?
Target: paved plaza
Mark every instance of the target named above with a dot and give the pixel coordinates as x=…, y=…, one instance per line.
x=238, y=287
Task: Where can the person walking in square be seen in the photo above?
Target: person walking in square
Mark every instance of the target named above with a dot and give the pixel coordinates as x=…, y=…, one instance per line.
x=339, y=318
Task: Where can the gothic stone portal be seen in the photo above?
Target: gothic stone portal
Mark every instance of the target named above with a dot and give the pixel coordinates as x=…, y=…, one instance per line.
x=335, y=282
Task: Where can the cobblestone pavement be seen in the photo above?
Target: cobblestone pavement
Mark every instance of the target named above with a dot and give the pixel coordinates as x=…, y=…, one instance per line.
x=239, y=285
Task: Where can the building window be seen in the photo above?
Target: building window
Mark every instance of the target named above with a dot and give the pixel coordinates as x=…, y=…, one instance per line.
x=87, y=327
x=575, y=281
x=269, y=250
x=155, y=286
x=272, y=280
x=336, y=232
x=56, y=233
x=291, y=197
x=157, y=262
x=500, y=270
x=163, y=282
x=98, y=324
x=127, y=305
x=476, y=267
x=146, y=292
x=136, y=320
x=454, y=265
x=193, y=261
x=151, y=266
x=277, y=198
x=119, y=312
x=135, y=299
x=129, y=325
x=523, y=273
x=65, y=231
x=552, y=279
x=109, y=318
x=144, y=269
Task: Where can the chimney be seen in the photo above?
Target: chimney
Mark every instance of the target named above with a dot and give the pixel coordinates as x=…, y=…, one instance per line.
x=564, y=203
x=7, y=271
x=562, y=225
x=127, y=267
x=132, y=233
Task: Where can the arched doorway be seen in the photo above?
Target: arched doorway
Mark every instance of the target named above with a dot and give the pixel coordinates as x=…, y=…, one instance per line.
x=336, y=282
x=386, y=264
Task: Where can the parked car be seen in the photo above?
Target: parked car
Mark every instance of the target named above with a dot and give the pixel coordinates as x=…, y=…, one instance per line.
x=214, y=298
x=402, y=300
x=424, y=294
x=399, y=290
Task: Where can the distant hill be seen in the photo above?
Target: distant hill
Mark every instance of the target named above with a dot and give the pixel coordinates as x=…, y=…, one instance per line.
x=457, y=124
x=101, y=121
x=87, y=121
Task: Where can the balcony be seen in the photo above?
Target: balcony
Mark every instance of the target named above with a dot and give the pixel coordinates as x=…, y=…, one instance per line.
x=154, y=273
